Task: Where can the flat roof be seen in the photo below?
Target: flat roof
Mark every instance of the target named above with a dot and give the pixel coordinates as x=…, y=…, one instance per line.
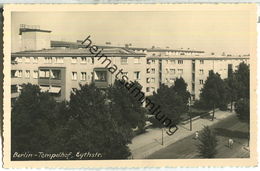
x=173, y=50
x=201, y=57
x=78, y=44
x=84, y=52
x=32, y=30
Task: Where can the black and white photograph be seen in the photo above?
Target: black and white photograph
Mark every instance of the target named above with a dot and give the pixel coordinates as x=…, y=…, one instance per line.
x=128, y=84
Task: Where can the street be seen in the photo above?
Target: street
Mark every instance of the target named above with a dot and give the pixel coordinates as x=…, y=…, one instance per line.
x=230, y=127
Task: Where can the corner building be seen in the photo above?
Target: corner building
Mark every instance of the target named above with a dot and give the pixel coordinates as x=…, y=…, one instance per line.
x=60, y=67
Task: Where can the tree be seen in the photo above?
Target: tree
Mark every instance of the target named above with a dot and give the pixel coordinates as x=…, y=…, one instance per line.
x=32, y=120
x=231, y=86
x=125, y=108
x=242, y=109
x=242, y=75
x=214, y=92
x=172, y=104
x=208, y=143
x=91, y=126
x=180, y=86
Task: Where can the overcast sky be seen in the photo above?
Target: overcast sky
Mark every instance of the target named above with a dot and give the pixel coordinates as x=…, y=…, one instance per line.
x=211, y=31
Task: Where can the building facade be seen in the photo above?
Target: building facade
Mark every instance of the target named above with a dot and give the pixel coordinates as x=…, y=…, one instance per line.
x=60, y=67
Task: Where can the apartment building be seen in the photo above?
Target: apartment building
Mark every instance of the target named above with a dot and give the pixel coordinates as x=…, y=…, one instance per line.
x=60, y=67
x=193, y=69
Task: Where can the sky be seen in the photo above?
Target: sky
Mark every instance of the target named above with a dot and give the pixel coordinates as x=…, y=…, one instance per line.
x=210, y=31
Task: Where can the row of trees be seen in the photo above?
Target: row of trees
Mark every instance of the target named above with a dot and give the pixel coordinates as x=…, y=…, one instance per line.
x=94, y=120
x=218, y=93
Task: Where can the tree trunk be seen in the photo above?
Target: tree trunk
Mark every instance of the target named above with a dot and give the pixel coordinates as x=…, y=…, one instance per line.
x=162, y=136
x=231, y=108
x=213, y=113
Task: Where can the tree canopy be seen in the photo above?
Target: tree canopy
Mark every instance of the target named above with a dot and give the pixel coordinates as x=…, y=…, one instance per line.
x=173, y=101
x=85, y=123
x=214, y=90
x=242, y=75
x=125, y=108
x=32, y=120
x=208, y=143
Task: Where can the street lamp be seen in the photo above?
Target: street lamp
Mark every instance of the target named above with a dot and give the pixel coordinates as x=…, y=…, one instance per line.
x=189, y=104
x=162, y=136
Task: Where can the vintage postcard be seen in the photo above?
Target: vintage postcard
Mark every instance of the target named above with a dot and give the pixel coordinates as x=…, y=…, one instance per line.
x=93, y=86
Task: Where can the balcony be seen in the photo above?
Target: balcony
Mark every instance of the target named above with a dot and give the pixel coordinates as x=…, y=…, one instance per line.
x=101, y=77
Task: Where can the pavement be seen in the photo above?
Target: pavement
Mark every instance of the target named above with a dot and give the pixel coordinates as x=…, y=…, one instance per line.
x=231, y=127
x=145, y=144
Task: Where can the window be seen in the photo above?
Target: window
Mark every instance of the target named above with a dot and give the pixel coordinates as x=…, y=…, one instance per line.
x=83, y=60
x=74, y=60
x=44, y=73
x=83, y=76
x=166, y=70
x=150, y=80
x=56, y=74
x=172, y=71
x=92, y=60
x=180, y=61
x=19, y=73
x=27, y=59
x=147, y=89
x=35, y=60
x=54, y=60
x=201, y=71
x=14, y=89
x=125, y=73
x=150, y=61
x=91, y=76
x=14, y=74
x=172, y=61
x=172, y=80
x=153, y=71
x=152, y=89
x=201, y=81
x=35, y=74
x=201, y=61
x=74, y=75
x=27, y=74
x=180, y=71
x=137, y=60
x=100, y=76
x=58, y=60
x=47, y=60
x=123, y=60
x=19, y=59
x=137, y=75
x=148, y=70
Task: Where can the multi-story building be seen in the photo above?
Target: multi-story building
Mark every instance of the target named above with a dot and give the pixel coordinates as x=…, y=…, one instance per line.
x=60, y=67
x=194, y=69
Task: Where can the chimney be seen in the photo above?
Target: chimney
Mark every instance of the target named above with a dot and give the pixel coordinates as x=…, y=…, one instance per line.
x=34, y=38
